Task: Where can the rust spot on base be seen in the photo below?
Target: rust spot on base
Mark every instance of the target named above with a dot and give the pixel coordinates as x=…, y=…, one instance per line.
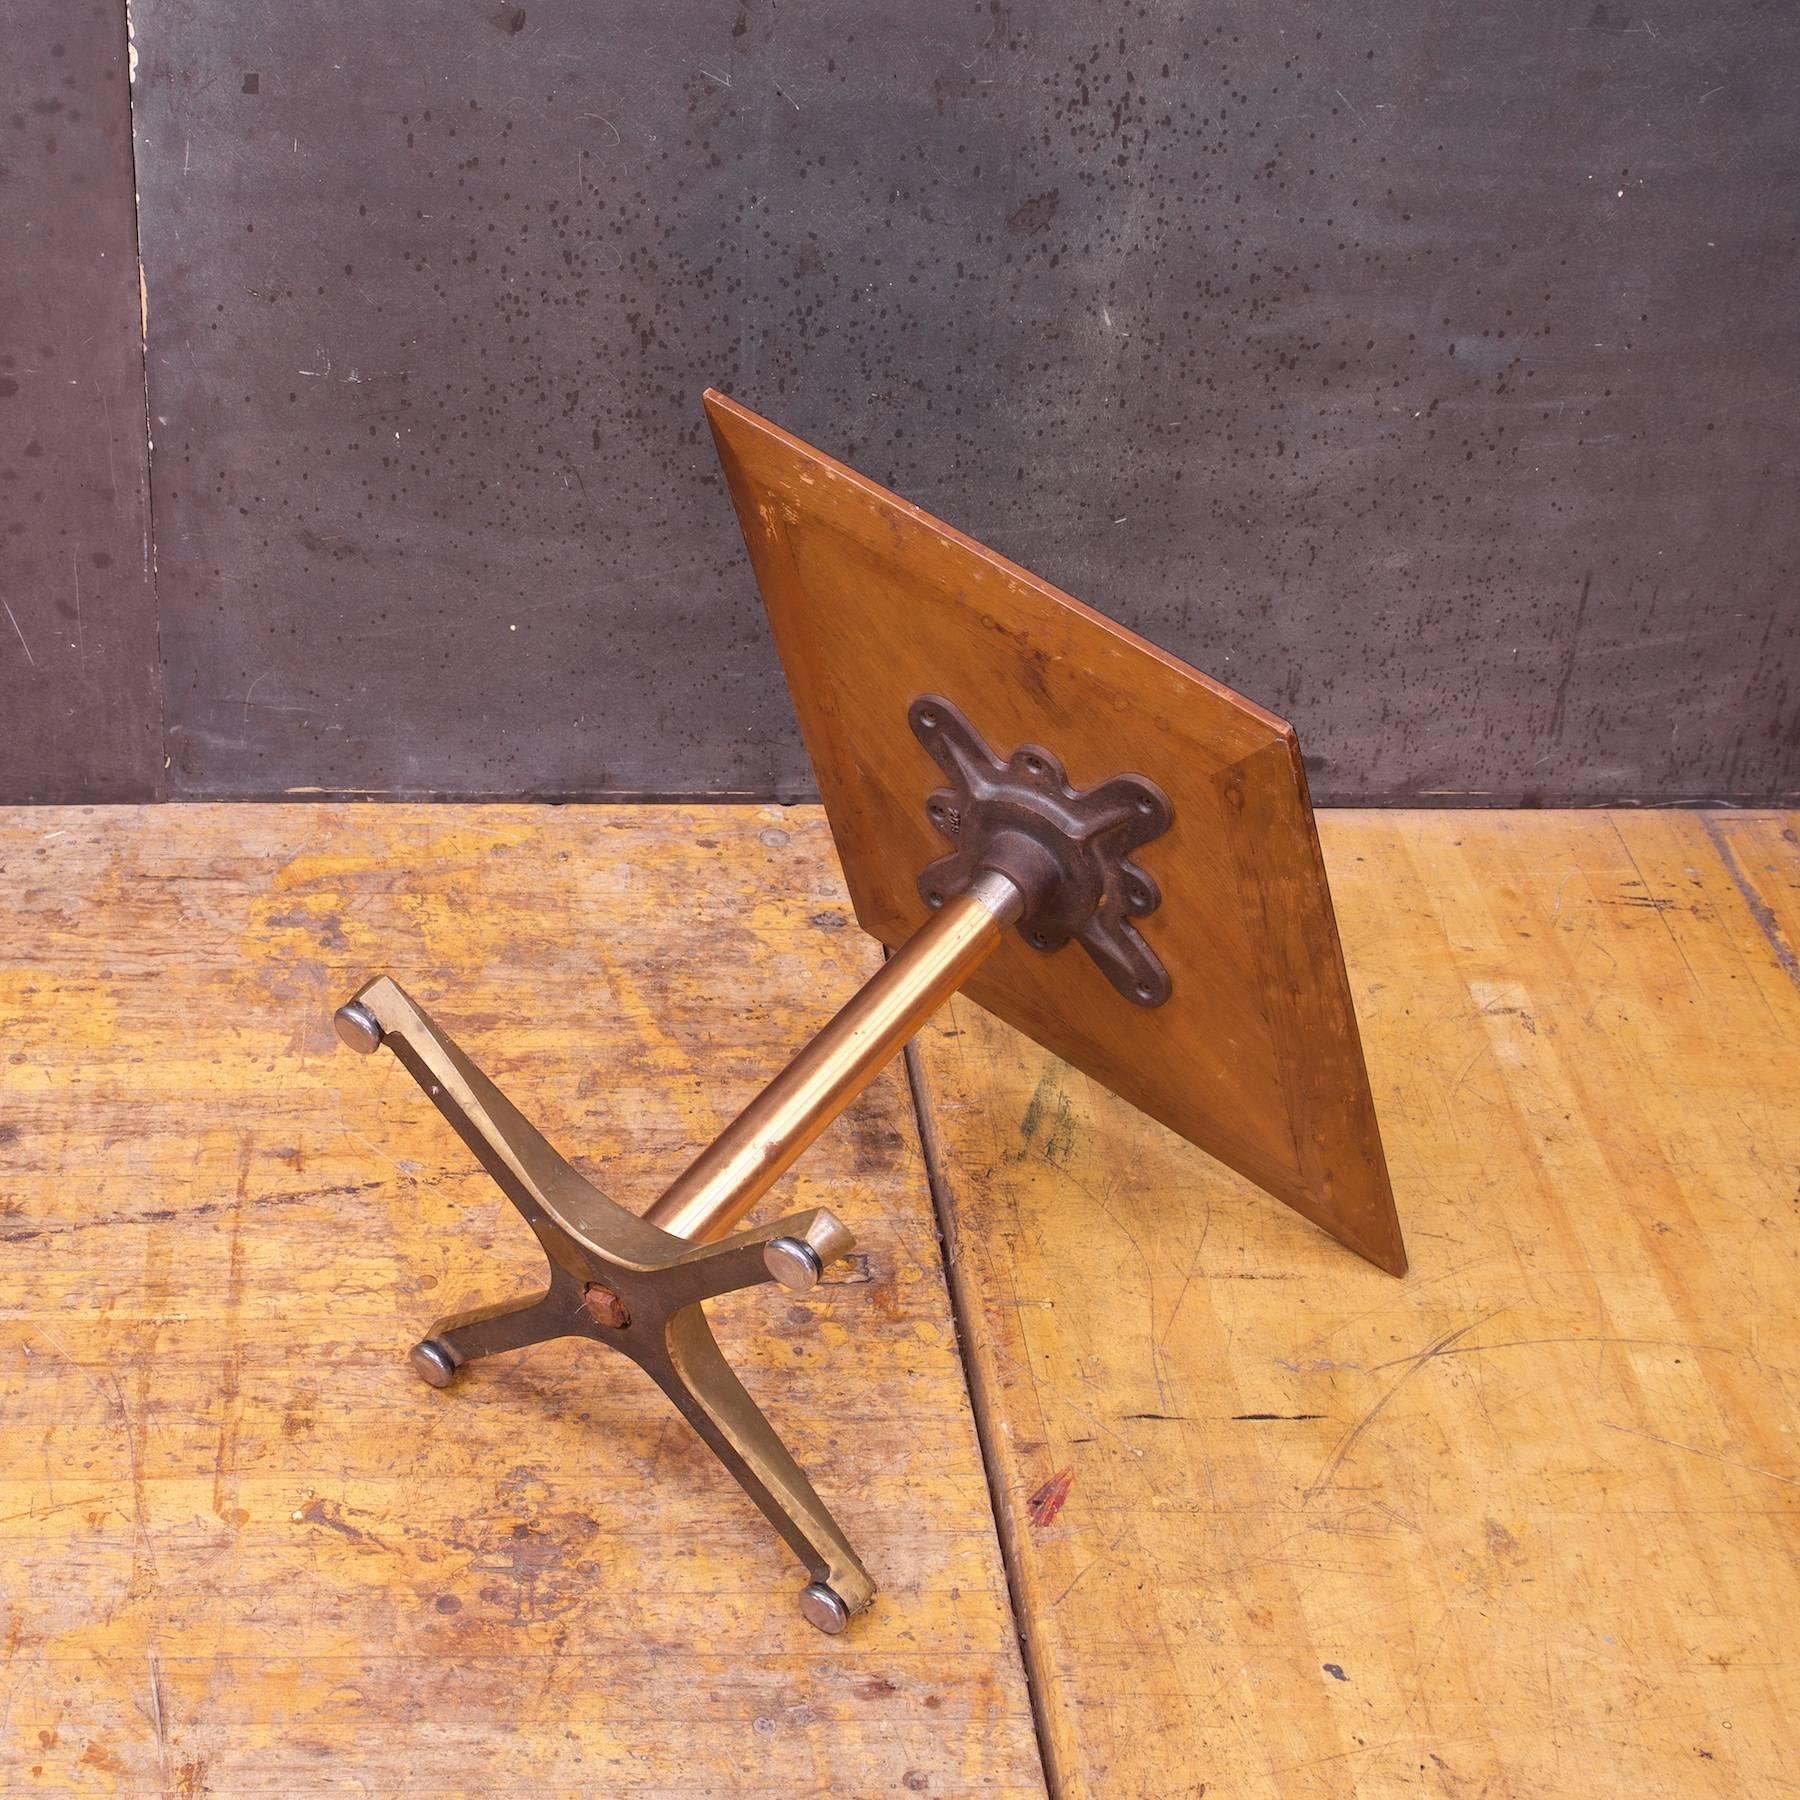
x=605, y=1306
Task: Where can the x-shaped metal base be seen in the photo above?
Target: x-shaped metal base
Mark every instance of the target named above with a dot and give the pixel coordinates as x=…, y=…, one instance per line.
x=622, y=1282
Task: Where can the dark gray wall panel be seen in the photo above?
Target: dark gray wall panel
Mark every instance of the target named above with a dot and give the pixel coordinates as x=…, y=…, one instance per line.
x=1426, y=371
x=79, y=710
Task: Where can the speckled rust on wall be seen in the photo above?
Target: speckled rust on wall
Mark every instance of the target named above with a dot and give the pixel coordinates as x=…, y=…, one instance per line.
x=1420, y=375
x=79, y=709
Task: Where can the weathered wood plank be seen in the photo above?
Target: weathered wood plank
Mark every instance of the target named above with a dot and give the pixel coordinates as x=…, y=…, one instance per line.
x=245, y=1550
x=1523, y=1523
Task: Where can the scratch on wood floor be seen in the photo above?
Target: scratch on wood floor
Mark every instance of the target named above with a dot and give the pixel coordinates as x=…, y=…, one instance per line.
x=1348, y=1441
x=1710, y=1455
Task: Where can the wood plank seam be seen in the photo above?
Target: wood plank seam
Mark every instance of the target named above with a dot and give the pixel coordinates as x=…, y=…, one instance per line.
x=984, y=1409
x=1760, y=910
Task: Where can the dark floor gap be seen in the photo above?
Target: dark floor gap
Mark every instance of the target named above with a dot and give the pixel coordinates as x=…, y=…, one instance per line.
x=937, y=1181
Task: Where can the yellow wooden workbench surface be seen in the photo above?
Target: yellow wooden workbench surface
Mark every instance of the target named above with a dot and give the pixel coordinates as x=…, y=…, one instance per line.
x=243, y=1549
x=1521, y=1524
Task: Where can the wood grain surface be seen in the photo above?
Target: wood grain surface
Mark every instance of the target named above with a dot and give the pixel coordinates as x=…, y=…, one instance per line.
x=874, y=604
x=1523, y=1524
x=243, y=1549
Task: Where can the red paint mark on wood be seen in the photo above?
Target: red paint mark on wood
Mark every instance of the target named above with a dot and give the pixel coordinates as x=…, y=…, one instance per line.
x=1047, y=1502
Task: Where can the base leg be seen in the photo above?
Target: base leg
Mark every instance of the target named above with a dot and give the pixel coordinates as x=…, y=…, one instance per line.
x=492, y=1330
x=712, y=1400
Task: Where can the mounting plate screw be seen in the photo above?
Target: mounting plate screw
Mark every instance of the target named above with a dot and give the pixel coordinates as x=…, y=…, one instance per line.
x=820, y=1606
x=357, y=1027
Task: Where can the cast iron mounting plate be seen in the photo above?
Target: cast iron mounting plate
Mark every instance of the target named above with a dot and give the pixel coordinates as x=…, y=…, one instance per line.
x=1019, y=814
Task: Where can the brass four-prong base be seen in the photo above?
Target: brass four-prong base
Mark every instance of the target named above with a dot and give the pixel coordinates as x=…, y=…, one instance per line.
x=636, y=1284
x=621, y=1281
